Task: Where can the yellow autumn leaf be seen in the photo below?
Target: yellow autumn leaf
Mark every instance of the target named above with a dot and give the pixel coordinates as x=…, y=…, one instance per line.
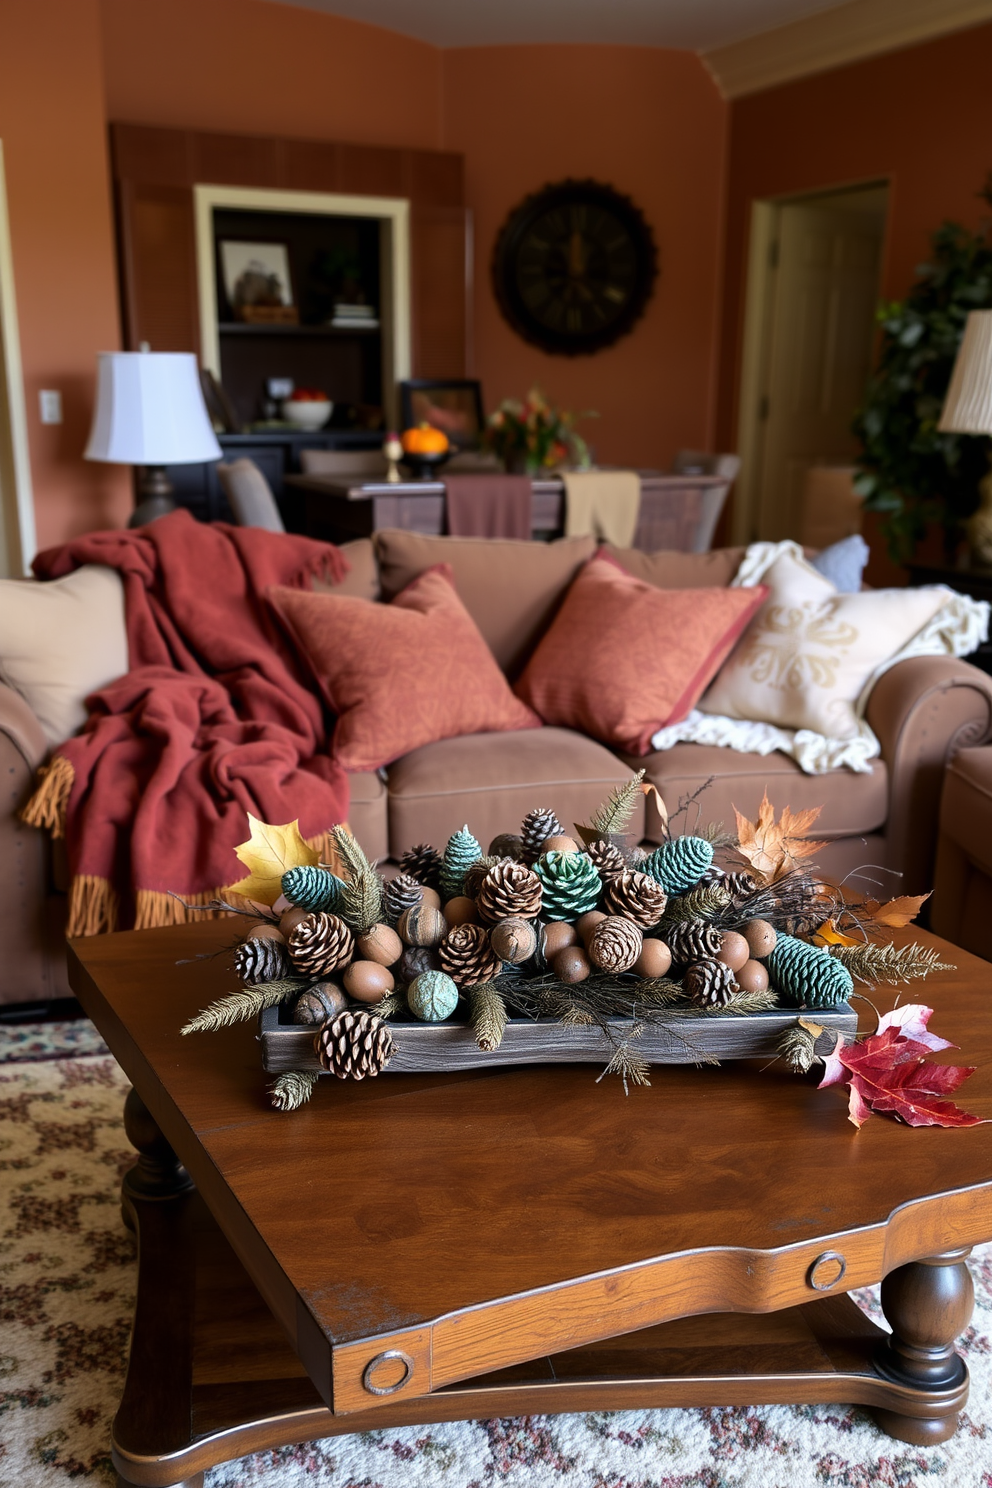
x=828, y=934
x=267, y=854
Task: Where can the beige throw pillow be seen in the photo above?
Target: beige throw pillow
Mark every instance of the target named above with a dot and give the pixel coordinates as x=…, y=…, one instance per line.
x=61, y=641
x=806, y=656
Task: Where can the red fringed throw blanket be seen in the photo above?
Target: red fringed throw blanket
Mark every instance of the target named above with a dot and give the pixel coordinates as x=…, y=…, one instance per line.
x=214, y=719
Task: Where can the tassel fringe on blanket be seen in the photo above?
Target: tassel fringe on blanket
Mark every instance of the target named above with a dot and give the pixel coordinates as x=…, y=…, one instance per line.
x=94, y=906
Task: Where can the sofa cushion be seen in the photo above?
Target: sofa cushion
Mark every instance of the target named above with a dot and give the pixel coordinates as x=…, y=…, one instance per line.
x=623, y=659
x=399, y=675
x=511, y=589
x=60, y=641
x=362, y=579
x=670, y=570
x=852, y=804
x=966, y=805
x=368, y=816
x=491, y=781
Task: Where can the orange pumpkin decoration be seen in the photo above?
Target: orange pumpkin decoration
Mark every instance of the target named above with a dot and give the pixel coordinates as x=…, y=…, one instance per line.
x=424, y=440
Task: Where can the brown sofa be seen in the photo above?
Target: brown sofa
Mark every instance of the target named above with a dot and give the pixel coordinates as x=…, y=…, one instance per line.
x=923, y=711
x=962, y=885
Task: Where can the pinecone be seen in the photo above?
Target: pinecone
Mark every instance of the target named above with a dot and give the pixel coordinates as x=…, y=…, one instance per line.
x=538, y=826
x=423, y=863
x=467, y=956
x=509, y=889
x=637, y=896
x=709, y=983
x=413, y=961
x=807, y=976
x=607, y=859
x=353, y=1045
x=805, y=906
x=400, y=893
x=261, y=961
x=713, y=875
x=615, y=944
x=475, y=877
x=461, y=852
x=694, y=940
x=506, y=845
x=739, y=884
x=311, y=888
x=320, y=944
x=571, y=885
x=679, y=864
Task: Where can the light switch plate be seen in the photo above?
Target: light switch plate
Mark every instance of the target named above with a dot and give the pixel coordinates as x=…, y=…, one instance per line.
x=50, y=405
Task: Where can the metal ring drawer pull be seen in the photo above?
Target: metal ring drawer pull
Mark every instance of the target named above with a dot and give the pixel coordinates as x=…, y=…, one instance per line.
x=373, y=1365
x=828, y=1258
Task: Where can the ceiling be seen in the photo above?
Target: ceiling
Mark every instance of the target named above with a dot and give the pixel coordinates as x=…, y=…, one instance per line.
x=695, y=25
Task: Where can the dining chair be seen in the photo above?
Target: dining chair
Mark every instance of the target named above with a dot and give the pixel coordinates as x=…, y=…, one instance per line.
x=697, y=462
x=250, y=495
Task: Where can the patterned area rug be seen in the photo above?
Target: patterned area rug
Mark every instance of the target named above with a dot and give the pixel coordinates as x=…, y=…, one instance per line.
x=66, y=1292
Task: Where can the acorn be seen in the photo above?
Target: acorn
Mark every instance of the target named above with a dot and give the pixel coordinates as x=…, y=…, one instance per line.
x=381, y=944
x=571, y=965
x=368, y=981
x=422, y=925
x=461, y=911
x=761, y=938
x=514, y=940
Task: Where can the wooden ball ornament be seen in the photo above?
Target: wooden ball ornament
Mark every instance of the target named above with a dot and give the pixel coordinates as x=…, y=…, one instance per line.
x=380, y=944
x=266, y=932
x=318, y=1003
x=752, y=977
x=422, y=925
x=761, y=938
x=367, y=981
x=734, y=950
x=289, y=921
x=587, y=923
x=461, y=911
x=414, y=960
x=514, y=940
x=430, y=897
x=571, y=965
x=655, y=959
x=507, y=845
x=562, y=844
x=556, y=936
x=432, y=997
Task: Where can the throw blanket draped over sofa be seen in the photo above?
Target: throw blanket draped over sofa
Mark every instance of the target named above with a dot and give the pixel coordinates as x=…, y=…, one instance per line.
x=213, y=719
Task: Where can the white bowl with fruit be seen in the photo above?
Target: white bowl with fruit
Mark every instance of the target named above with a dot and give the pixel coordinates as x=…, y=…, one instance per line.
x=307, y=408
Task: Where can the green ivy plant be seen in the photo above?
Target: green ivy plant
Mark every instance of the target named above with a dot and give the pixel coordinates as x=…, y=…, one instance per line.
x=908, y=470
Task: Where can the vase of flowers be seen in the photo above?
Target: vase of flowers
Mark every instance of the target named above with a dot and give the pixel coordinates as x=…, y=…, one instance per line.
x=533, y=437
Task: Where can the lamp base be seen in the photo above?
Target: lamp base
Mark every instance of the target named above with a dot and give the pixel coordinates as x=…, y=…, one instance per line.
x=153, y=495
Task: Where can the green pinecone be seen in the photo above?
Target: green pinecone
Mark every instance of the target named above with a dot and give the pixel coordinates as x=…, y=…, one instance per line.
x=311, y=888
x=571, y=885
x=459, y=855
x=807, y=976
x=678, y=865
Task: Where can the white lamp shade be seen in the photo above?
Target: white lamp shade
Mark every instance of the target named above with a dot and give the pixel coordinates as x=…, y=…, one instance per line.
x=150, y=410
x=968, y=405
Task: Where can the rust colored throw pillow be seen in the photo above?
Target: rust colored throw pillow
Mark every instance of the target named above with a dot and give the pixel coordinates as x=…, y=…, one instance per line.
x=403, y=674
x=623, y=659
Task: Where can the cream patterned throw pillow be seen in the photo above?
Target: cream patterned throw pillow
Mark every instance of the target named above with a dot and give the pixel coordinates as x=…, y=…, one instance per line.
x=807, y=654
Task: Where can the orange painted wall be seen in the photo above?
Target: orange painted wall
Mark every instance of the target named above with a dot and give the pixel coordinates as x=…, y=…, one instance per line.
x=919, y=117
x=651, y=123
x=52, y=127
x=253, y=67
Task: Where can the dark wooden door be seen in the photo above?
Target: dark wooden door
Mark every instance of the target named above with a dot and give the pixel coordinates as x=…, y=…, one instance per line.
x=440, y=250
x=158, y=266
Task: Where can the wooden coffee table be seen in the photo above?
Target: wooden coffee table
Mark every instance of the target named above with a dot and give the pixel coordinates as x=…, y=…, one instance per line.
x=429, y=1248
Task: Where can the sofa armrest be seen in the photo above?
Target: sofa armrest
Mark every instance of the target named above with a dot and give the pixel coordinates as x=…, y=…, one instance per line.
x=22, y=727
x=923, y=711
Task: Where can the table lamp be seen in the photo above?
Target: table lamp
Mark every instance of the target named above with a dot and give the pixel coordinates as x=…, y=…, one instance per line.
x=968, y=410
x=150, y=413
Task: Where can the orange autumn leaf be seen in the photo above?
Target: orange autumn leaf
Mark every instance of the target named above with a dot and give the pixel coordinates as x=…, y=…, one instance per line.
x=773, y=848
x=828, y=934
x=896, y=913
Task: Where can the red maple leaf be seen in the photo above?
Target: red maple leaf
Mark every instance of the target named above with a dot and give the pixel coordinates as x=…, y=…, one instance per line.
x=890, y=1072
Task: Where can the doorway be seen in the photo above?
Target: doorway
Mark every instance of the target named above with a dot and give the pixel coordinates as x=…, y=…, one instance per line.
x=17, y=539
x=813, y=283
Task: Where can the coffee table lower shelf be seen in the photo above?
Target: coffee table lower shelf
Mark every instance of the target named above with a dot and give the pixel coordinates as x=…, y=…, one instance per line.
x=212, y=1377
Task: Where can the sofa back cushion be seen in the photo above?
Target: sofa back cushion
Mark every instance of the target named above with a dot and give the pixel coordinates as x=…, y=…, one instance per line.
x=671, y=570
x=60, y=641
x=512, y=590
x=362, y=579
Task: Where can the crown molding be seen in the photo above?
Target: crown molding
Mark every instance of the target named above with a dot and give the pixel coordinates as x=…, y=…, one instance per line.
x=846, y=33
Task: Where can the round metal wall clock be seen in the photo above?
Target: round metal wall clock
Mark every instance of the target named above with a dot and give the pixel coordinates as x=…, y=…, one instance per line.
x=574, y=266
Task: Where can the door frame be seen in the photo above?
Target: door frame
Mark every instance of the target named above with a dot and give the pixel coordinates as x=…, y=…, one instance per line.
x=18, y=541
x=759, y=302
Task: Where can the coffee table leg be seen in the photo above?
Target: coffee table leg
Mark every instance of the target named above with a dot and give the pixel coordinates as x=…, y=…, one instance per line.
x=928, y=1304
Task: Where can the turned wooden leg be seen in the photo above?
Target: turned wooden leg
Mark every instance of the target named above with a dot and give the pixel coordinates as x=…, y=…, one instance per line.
x=928, y=1304
x=195, y=1482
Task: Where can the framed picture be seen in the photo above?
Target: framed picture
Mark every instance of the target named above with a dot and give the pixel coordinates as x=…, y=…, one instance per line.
x=255, y=275
x=451, y=404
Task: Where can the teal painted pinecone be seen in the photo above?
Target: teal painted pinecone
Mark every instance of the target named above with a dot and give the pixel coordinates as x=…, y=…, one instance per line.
x=311, y=888
x=807, y=976
x=571, y=885
x=678, y=865
x=459, y=855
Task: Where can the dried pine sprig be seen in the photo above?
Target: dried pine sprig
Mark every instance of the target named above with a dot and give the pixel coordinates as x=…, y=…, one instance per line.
x=393, y=1002
x=626, y=1062
x=360, y=903
x=797, y=1047
x=615, y=813
x=247, y=1003
x=351, y=852
x=717, y=833
x=489, y=1016
x=889, y=963
x=704, y=903
x=293, y=1089
x=742, y=1003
